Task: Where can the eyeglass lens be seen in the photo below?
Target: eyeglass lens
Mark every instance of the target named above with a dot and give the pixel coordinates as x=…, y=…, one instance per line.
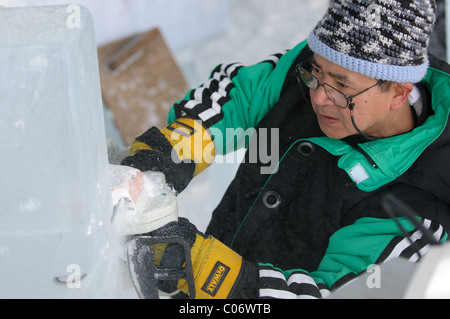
x=338, y=98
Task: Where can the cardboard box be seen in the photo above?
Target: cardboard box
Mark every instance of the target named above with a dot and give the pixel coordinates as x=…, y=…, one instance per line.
x=140, y=82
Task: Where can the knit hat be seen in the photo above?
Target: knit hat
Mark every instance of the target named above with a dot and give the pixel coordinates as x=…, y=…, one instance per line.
x=382, y=39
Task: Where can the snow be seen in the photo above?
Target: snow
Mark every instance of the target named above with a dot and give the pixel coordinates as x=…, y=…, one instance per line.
x=182, y=22
x=143, y=201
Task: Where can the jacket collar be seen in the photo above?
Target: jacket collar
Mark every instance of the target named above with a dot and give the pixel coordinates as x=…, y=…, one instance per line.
x=373, y=164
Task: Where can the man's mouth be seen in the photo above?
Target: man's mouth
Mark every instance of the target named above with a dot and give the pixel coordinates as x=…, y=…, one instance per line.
x=327, y=119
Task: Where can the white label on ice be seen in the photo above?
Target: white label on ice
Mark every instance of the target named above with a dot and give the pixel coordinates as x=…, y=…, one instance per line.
x=359, y=174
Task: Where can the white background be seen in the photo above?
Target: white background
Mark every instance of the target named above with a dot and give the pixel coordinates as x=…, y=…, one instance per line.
x=182, y=22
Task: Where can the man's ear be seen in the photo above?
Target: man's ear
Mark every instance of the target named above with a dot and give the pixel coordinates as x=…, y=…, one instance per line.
x=401, y=92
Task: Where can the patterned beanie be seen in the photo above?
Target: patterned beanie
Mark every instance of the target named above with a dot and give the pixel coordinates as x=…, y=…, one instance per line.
x=382, y=39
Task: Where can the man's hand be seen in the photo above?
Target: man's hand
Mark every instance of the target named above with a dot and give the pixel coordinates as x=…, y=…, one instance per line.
x=217, y=270
x=181, y=151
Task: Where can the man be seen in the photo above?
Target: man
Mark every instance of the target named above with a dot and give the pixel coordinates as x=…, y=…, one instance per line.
x=361, y=112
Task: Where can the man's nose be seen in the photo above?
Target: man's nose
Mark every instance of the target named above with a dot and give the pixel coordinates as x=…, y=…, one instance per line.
x=319, y=96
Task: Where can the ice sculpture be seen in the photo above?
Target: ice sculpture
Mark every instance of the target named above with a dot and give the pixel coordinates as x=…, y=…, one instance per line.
x=56, y=202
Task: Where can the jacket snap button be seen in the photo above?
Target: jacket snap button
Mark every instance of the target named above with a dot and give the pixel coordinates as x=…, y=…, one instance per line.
x=306, y=149
x=272, y=200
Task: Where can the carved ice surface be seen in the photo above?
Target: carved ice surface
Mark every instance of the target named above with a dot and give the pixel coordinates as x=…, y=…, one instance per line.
x=55, y=193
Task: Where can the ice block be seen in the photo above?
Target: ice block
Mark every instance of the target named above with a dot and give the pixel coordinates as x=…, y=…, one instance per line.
x=55, y=205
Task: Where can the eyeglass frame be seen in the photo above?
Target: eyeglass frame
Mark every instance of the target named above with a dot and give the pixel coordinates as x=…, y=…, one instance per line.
x=349, y=99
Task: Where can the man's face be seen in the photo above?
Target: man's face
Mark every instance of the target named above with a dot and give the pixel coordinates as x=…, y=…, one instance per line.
x=372, y=108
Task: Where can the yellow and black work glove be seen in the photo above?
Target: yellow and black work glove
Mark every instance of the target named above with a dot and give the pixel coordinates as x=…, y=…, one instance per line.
x=180, y=151
x=218, y=272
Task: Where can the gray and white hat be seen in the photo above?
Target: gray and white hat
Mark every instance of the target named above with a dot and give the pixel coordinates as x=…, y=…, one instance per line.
x=382, y=39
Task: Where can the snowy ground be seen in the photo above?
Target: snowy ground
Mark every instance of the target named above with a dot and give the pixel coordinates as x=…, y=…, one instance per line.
x=258, y=29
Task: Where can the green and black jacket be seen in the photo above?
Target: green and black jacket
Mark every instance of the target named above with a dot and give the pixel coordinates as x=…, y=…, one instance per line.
x=318, y=221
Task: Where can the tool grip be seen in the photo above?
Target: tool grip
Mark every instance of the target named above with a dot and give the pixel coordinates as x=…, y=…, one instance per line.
x=145, y=274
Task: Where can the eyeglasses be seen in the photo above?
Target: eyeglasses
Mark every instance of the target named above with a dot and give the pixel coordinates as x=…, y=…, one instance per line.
x=337, y=97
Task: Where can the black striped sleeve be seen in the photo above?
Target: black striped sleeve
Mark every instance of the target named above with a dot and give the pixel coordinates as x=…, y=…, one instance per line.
x=414, y=245
x=274, y=59
x=205, y=103
x=276, y=284
x=298, y=285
